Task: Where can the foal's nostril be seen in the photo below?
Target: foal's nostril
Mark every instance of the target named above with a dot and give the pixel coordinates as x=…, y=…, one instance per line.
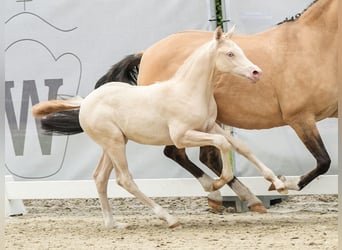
x=255, y=72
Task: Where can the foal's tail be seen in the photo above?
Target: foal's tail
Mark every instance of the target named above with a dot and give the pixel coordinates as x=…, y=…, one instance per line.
x=48, y=107
x=59, y=116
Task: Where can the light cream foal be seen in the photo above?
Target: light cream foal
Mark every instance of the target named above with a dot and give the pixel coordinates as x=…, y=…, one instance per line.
x=181, y=111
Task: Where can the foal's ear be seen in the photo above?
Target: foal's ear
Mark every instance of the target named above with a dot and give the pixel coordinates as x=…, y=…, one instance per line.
x=218, y=33
x=230, y=32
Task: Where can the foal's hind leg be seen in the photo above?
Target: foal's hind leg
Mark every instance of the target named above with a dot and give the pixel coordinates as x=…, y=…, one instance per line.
x=210, y=156
x=101, y=177
x=123, y=177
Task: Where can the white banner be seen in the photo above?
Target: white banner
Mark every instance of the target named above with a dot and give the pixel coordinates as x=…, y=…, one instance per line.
x=62, y=48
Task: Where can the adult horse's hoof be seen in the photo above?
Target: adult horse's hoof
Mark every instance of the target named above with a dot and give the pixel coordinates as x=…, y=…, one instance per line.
x=215, y=200
x=259, y=208
x=215, y=205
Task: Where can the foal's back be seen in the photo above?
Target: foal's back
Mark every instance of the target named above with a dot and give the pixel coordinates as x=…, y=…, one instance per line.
x=130, y=109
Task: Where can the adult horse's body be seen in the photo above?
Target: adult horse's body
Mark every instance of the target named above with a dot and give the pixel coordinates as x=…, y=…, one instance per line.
x=298, y=88
x=117, y=112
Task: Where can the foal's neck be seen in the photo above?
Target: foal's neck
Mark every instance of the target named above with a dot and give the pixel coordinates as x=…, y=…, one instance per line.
x=197, y=71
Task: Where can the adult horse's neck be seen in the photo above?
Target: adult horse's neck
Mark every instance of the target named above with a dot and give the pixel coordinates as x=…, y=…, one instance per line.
x=313, y=34
x=323, y=14
x=197, y=71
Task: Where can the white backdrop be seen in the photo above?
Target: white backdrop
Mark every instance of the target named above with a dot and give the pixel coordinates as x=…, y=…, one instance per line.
x=63, y=47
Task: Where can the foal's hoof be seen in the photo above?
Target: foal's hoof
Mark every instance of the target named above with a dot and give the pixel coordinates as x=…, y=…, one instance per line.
x=173, y=222
x=176, y=224
x=215, y=205
x=259, y=208
x=282, y=190
x=279, y=185
x=272, y=187
x=116, y=225
x=120, y=225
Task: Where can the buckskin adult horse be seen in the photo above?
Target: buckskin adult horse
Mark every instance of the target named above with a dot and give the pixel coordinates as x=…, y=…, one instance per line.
x=298, y=87
x=117, y=112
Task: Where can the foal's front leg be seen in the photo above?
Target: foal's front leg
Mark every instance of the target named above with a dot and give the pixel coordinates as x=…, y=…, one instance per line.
x=242, y=149
x=194, y=138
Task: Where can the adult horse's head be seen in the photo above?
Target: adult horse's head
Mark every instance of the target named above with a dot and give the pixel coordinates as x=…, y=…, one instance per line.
x=231, y=59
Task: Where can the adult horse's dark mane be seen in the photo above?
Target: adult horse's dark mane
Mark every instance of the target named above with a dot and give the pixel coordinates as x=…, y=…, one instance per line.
x=126, y=70
x=297, y=16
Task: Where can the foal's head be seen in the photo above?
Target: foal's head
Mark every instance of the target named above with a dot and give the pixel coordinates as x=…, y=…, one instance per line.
x=231, y=59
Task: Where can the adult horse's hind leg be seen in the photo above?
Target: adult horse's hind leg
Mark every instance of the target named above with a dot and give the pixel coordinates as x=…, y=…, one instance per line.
x=307, y=131
x=101, y=177
x=210, y=156
x=179, y=156
x=124, y=178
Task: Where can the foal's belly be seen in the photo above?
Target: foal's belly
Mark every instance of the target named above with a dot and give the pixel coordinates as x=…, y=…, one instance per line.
x=148, y=133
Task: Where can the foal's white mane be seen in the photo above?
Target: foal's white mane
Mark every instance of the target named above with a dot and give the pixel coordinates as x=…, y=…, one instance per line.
x=205, y=54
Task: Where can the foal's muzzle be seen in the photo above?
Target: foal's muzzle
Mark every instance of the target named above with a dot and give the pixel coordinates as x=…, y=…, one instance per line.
x=255, y=74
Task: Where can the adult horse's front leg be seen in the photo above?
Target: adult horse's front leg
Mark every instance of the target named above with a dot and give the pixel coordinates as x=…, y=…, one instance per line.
x=307, y=131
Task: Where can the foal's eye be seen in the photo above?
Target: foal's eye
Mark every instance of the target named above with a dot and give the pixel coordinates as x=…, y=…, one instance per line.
x=230, y=54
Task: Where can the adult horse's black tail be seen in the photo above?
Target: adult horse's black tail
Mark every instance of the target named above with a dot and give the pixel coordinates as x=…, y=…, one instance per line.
x=67, y=122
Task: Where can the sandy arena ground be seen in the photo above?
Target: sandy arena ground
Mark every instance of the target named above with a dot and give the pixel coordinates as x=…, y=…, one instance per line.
x=300, y=222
